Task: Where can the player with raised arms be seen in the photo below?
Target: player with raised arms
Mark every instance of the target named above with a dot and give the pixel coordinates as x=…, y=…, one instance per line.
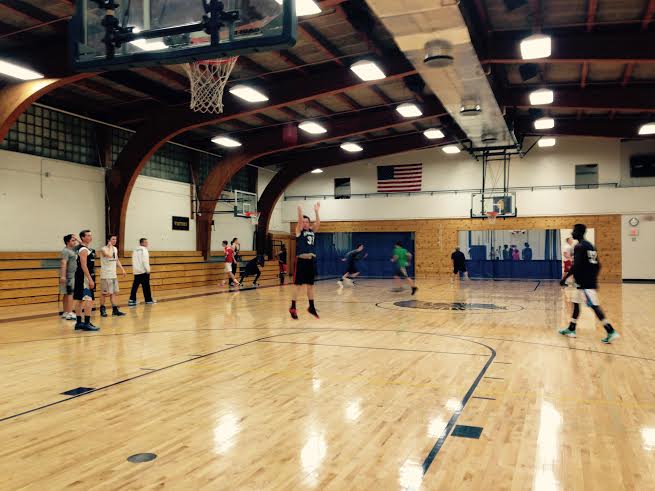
x=305, y=271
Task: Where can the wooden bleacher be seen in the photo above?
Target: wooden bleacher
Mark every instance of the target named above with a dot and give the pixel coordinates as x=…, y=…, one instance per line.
x=28, y=278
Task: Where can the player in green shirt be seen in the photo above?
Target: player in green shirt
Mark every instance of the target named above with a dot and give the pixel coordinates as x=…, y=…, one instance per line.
x=401, y=258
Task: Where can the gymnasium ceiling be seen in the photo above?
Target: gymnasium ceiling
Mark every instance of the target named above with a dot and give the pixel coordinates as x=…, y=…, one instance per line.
x=602, y=68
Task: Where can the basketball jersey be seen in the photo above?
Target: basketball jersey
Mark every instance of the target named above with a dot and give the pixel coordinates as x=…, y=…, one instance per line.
x=108, y=265
x=90, y=263
x=306, y=243
x=585, y=265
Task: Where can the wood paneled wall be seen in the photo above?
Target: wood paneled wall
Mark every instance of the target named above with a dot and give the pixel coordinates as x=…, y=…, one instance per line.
x=436, y=239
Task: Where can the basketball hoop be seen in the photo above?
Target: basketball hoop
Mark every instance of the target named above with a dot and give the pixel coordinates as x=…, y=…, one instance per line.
x=254, y=217
x=208, y=79
x=491, y=216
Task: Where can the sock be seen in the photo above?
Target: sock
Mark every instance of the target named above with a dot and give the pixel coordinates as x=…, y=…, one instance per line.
x=311, y=305
x=87, y=319
x=608, y=327
x=572, y=324
x=293, y=304
x=79, y=319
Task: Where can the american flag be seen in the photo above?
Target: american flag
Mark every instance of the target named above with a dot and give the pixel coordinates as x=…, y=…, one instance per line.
x=399, y=178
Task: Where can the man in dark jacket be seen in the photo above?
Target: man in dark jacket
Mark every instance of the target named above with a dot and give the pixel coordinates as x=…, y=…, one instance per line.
x=459, y=262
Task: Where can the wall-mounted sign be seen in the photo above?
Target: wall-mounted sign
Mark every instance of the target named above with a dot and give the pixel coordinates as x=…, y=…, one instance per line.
x=180, y=223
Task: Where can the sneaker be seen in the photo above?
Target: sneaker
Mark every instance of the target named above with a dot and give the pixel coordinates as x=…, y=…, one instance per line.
x=567, y=332
x=255, y=284
x=117, y=313
x=294, y=313
x=396, y=290
x=71, y=317
x=151, y=302
x=131, y=303
x=313, y=312
x=611, y=337
x=79, y=325
x=103, y=311
x=414, y=288
x=89, y=327
x=340, y=283
x=64, y=315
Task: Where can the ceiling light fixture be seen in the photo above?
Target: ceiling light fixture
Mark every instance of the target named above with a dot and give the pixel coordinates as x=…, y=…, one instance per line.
x=248, y=94
x=541, y=96
x=312, y=128
x=317, y=171
x=367, y=70
x=547, y=142
x=647, y=129
x=147, y=45
x=305, y=7
x=536, y=46
x=224, y=141
x=409, y=110
x=351, y=147
x=451, y=149
x=544, y=123
x=433, y=134
x=18, y=72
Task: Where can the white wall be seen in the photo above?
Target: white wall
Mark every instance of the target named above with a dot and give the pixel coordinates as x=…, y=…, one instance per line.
x=542, y=167
x=638, y=251
x=153, y=204
x=226, y=226
x=276, y=225
x=41, y=200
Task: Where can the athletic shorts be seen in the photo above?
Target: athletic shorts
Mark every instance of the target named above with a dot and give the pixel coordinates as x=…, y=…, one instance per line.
x=305, y=271
x=67, y=288
x=459, y=269
x=82, y=291
x=352, y=268
x=585, y=296
x=400, y=271
x=567, y=266
x=109, y=286
x=228, y=267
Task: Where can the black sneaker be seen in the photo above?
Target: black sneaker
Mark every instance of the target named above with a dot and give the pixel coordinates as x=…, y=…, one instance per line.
x=103, y=311
x=79, y=326
x=414, y=288
x=117, y=313
x=90, y=327
x=313, y=311
x=294, y=313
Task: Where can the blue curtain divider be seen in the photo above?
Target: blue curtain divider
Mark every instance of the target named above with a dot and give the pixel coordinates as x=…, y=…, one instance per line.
x=537, y=270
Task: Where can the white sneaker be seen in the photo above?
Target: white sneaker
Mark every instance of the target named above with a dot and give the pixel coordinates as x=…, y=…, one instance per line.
x=340, y=283
x=71, y=317
x=64, y=315
x=153, y=301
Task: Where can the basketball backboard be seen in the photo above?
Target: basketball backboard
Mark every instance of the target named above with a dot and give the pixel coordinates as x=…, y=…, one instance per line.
x=244, y=202
x=152, y=32
x=502, y=203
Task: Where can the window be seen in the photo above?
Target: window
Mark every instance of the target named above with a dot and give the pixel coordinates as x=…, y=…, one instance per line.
x=586, y=176
x=342, y=188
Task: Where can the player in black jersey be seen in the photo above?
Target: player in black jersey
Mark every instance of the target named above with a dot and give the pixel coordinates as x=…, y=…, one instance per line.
x=585, y=273
x=85, y=277
x=305, y=270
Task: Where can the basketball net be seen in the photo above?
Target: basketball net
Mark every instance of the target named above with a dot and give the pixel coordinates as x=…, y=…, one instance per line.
x=208, y=79
x=254, y=217
x=491, y=216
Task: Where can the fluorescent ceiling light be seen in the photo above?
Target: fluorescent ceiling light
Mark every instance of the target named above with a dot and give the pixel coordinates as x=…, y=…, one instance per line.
x=451, y=149
x=536, y=46
x=541, y=96
x=312, y=127
x=247, y=93
x=547, y=142
x=647, y=129
x=224, y=141
x=317, y=171
x=544, y=123
x=433, y=134
x=351, y=147
x=409, y=110
x=367, y=70
x=146, y=45
x=18, y=72
x=304, y=7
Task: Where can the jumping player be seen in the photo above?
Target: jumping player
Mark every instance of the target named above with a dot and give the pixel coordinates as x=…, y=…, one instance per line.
x=585, y=273
x=351, y=269
x=305, y=270
x=400, y=259
x=229, y=261
x=85, y=276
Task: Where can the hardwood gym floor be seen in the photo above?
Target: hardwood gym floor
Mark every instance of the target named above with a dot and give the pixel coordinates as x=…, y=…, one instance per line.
x=230, y=393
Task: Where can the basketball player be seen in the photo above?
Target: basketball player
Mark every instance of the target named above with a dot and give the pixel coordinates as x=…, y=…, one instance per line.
x=459, y=262
x=400, y=259
x=108, y=278
x=83, y=292
x=351, y=269
x=236, y=249
x=68, y=265
x=585, y=273
x=229, y=261
x=568, y=260
x=305, y=270
x=282, y=262
x=252, y=267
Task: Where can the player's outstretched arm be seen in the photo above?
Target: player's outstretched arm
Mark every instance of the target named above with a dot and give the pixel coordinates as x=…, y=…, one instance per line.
x=317, y=220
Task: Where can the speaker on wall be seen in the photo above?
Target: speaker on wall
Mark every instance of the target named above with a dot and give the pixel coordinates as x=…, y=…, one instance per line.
x=642, y=166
